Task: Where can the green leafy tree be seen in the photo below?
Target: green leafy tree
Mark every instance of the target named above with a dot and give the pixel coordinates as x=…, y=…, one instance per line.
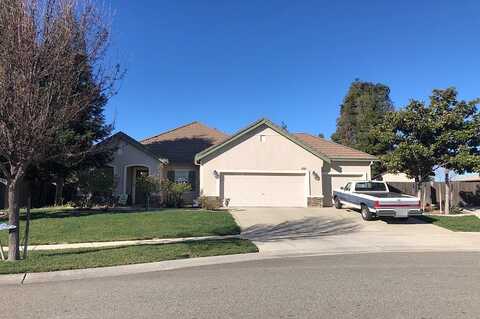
x=422, y=138
x=94, y=184
x=364, y=107
x=84, y=132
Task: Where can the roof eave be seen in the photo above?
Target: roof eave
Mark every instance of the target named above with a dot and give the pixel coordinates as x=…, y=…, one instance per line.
x=355, y=159
x=139, y=146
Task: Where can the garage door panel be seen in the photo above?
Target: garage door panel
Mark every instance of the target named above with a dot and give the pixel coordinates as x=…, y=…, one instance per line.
x=269, y=190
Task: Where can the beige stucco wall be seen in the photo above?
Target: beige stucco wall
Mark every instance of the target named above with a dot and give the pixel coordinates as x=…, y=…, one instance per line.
x=127, y=155
x=275, y=153
x=343, y=171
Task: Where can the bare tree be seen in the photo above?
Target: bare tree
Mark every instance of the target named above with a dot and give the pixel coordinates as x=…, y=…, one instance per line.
x=45, y=47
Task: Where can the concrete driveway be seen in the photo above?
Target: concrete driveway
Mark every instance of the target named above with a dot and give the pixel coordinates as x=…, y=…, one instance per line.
x=286, y=231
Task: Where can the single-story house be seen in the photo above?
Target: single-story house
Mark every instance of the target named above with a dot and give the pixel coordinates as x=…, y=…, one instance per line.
x=466, y=178
x=260, y=165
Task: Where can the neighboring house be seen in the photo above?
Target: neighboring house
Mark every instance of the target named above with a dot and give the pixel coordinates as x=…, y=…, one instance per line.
x=261, y=165
x=399, y=177
x=467, y=178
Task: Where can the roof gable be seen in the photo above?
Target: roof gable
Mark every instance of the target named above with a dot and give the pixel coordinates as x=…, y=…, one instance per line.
x=122, y=136
x=180, y=145
x=252, y=127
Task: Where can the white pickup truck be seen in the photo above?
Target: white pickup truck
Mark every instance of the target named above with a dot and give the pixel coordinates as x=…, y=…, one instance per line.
x=374, y=199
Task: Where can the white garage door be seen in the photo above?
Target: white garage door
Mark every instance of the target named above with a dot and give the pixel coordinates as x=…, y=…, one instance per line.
x=264, y=189
x=339, y=181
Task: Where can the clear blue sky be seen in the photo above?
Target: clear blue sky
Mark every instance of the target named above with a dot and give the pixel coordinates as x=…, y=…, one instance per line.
x=228, y=63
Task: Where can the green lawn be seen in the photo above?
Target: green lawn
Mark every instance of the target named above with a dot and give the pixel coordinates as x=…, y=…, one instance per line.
x=460, y=223
x=52, y=260
x=51, y=226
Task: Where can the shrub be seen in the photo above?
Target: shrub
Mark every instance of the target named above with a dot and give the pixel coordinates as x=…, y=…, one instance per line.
x=96, y=186
x=148, y=185
x=210, y=203
x=173, y=192
x=455, y=210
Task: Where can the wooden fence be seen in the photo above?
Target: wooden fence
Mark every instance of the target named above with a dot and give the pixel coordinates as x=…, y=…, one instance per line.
x=463, y=194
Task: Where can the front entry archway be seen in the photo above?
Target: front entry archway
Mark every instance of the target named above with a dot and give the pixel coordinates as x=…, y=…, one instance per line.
x=133, y=173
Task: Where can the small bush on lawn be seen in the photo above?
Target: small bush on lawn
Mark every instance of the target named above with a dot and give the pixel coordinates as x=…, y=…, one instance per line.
x=210, y=203
x=456, y=210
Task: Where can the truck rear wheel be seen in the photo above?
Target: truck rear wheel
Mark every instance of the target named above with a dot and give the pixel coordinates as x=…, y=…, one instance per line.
x=366, y=214
x=338, y=204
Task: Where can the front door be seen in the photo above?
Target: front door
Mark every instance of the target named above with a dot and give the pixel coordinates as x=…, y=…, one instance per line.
x=139, y=198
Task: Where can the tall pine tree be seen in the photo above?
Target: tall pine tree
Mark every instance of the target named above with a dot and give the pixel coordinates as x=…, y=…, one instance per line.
x=364, y=107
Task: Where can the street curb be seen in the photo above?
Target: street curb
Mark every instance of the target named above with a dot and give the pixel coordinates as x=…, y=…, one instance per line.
x=114, y=271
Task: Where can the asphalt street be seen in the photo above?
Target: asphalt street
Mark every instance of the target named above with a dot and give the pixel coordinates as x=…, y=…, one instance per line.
x=381, y=285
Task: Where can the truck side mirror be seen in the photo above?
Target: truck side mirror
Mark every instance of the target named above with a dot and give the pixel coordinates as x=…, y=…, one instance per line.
x=342, y=188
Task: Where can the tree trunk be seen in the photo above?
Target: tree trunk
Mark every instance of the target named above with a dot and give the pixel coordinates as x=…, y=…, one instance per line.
x=27, y=224
x=447, y=192
x=424, y=197
x=60, y=181
x=14, y=219
x=440, y=201
x=417, y=189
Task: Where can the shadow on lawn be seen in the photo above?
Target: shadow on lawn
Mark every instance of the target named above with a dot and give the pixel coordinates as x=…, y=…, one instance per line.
x=80, y=213
x=300, y=229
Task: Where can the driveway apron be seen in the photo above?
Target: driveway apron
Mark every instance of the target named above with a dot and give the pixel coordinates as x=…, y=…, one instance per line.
x=290, y=231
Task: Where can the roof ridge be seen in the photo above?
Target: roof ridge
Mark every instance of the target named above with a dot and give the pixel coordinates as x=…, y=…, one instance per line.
x=335, y=143
x=180, y=127
x=168, y=131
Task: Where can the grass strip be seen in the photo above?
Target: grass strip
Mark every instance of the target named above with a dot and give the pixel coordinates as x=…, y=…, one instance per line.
x=460, y=223
x=53, y=260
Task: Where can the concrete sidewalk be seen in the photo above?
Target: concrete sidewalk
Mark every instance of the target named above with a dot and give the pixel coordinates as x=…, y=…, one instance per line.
x=101, y=244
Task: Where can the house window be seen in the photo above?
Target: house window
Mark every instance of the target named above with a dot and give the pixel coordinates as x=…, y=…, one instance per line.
x=183, y=176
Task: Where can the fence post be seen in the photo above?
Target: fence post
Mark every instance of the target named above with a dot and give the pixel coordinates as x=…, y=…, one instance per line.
x=447, y=192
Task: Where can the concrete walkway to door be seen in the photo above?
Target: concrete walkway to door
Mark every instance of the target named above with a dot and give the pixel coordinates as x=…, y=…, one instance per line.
x=287, y=231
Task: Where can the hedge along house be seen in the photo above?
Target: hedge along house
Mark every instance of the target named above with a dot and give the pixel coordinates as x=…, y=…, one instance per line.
x=264, y=165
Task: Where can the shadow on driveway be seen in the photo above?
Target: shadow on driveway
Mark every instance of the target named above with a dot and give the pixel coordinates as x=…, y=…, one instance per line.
x=399, y=221
x=310, y=227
